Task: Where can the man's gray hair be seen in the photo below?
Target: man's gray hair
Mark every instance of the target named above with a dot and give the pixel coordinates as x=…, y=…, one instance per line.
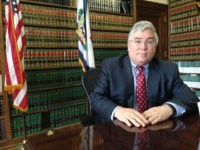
x=141, y=26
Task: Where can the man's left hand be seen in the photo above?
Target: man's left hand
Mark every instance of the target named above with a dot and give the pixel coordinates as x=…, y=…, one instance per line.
x=157, y=114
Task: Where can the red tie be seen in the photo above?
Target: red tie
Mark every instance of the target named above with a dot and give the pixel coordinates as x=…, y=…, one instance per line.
x=141, y=93
x=142, y=139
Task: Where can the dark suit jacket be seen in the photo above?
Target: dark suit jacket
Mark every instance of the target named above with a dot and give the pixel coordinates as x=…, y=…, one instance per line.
x=115, y=87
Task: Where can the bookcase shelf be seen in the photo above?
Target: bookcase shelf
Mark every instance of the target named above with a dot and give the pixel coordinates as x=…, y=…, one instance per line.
x=184, y=40
x=55, y=95
x=49, y=26
x=18, y=113
x=52, y=67
x=183, y=32
x=53, y=88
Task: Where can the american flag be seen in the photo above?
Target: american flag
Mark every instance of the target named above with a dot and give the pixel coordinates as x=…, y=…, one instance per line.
x=15, y=80
x=86, y=54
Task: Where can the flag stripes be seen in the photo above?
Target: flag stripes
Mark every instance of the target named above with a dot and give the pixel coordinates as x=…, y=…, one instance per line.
x=15, y=79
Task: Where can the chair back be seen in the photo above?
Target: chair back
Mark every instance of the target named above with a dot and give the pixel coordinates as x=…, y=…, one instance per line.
x=88, y=81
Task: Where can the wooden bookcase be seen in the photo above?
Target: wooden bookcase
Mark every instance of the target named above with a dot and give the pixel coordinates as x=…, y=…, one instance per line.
x=56, y=97
x=184, y=40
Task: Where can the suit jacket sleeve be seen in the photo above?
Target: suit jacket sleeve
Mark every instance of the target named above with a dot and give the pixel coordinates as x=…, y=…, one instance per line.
x=114, y=87
x=165, y=85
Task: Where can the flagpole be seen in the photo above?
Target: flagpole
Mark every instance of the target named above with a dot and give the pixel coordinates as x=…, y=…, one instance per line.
x=24, y=127
x=21, y=145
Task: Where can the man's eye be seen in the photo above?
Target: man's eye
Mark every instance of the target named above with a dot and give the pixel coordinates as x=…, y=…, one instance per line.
x=137, y=41
x=150, y=41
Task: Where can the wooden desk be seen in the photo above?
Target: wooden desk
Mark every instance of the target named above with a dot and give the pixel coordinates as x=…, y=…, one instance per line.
x=182, y=133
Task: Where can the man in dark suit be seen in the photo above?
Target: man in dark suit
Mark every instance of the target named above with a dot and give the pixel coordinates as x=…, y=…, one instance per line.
x=115, y=93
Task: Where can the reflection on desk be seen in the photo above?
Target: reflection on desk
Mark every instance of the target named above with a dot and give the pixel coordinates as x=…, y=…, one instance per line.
x=182, y=133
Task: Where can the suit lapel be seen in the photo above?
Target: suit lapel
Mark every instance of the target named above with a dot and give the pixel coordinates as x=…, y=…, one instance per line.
x=128, y=81
x=153, y=83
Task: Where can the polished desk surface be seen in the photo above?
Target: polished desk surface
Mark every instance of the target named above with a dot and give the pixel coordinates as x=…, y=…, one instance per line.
x=182, y=133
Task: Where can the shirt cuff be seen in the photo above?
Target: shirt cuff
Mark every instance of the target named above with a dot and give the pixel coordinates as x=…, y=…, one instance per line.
x=113, y=113
x=179, y=109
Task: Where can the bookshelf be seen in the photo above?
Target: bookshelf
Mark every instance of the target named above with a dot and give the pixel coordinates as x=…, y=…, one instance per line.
x=56, y=97
x=4, y=117
x=184, y=40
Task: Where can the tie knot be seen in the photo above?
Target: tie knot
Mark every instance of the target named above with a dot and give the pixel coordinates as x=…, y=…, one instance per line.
x=140, y=68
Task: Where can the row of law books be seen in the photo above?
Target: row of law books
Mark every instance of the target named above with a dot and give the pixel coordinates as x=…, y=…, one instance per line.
x=50, y=37
x=181, y=57
x=101, y=54
x=48, y=15
x=175, y=3
x=33, y=124
x=193, y=42
x=110, y=21
x=68, y=115
x=38, y=58
x=62, y=77
x=59, y=117
x=185, y=36
x=188, y=64
x=52, y=99
x=185, y=25
x=109, y=39
x=1, y=106
x=185, y=39
x=63, y=18
x=190, y=74
x=192, y=80
x=190, y=51
x=183, y=11
x=2, y=130
x=192, y=67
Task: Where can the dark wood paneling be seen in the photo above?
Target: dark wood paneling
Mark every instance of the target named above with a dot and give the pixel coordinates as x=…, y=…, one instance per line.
x=157, y=14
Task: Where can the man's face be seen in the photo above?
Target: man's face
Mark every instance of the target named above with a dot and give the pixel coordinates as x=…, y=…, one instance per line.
x=142, y=47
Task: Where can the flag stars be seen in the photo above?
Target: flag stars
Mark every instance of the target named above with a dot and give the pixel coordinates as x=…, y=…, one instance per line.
x=7, y=2
x=14, y=3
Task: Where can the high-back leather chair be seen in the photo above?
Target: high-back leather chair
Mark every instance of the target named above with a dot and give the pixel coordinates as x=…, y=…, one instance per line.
x=88, y=81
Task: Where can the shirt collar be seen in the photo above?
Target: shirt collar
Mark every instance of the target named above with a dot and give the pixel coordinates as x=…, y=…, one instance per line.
x=134, y=65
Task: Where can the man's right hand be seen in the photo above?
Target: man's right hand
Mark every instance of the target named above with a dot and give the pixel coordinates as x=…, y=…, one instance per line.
x=130, y=117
